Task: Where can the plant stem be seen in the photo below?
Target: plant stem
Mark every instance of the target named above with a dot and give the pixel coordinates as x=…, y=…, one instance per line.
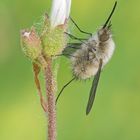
x=50, y=89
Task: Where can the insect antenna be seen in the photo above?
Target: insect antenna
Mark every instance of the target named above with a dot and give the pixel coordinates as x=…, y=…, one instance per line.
x=110, y=24
x=79, y=27
x=114, y=7
x=63, y=89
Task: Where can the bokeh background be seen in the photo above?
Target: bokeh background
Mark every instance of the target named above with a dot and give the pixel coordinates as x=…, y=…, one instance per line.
x=116, y=111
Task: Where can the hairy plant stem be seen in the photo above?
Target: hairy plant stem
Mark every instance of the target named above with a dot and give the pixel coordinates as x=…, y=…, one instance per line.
x=50, y=92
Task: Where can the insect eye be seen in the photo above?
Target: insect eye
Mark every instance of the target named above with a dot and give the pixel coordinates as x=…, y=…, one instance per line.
x=93, y=49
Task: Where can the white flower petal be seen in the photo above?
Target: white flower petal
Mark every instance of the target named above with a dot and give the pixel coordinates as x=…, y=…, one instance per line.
x=60, y=12
x=68, y=5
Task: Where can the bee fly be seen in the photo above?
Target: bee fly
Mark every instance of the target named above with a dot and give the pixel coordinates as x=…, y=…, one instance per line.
x=90, y=56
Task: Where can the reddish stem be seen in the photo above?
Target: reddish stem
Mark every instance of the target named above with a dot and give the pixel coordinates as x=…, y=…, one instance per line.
x=50, y=89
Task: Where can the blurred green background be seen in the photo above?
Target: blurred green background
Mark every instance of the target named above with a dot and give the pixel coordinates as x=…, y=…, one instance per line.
x=116, y=111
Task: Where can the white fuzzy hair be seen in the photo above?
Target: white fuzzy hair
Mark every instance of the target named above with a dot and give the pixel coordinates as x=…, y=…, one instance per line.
x=85, y=61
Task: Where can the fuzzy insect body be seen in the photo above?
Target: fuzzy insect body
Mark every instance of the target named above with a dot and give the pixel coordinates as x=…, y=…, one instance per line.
x=85, y=61
x=90, y=56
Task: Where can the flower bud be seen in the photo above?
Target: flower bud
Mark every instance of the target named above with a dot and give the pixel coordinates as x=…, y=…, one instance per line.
x=42, y=25
x=54, y=41
x=53, y=38
x=60, y=12
x=31, y=44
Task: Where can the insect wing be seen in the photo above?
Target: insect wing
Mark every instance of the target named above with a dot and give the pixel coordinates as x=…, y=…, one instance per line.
x=71, y=48
x=93, y=89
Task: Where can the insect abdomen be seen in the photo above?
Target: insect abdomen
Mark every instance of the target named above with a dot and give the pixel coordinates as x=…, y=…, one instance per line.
x=84, y=64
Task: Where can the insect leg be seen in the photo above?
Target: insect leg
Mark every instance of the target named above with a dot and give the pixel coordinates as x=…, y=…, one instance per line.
x=73, y=37
x=63, y=89
x=79, y=27
x=74, y=45
x=63, y=54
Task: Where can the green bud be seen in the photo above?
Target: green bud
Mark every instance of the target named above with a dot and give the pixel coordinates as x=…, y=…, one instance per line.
x=31, y=44
x=43, y=25
x=54, y=41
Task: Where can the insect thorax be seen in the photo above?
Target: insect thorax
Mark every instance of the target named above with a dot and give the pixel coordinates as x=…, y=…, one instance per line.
x=85, y=61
